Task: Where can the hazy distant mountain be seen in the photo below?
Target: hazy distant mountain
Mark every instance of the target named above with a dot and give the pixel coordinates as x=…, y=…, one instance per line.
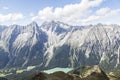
x=56, y=44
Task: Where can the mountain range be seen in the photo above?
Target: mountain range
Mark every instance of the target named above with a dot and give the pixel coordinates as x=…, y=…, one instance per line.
x=56, y=44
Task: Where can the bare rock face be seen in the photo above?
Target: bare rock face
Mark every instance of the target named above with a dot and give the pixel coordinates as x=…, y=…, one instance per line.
x=55, y=76
x=2, y=78
x=112, y=76
x=90, y=73
x=41, y=76
x=51, y=43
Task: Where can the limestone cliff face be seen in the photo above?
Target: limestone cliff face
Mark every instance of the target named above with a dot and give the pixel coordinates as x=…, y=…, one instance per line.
x=53, y=42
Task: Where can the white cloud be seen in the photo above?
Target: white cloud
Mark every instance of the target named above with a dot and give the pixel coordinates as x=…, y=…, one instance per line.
x=31, y=14
x=5, y=8
x=113, y=12
x=10, y=17
x=103, y=11
x=90, y=19
x=77, y=14
x=72, y=13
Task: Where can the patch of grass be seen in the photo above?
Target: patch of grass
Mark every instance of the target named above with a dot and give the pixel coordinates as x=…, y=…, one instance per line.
x=2, y=75
x=19, y=71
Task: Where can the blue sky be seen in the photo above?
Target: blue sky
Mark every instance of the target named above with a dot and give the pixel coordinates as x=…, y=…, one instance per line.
x=75, y=12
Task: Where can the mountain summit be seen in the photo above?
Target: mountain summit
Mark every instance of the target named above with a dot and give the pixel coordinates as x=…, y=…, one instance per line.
x=56, y=44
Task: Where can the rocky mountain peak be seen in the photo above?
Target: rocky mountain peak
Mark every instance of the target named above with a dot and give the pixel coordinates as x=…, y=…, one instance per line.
x=33, y=23
x=54, y=42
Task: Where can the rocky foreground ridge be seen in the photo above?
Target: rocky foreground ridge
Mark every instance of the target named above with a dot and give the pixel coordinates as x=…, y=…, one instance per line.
x=82, y=73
